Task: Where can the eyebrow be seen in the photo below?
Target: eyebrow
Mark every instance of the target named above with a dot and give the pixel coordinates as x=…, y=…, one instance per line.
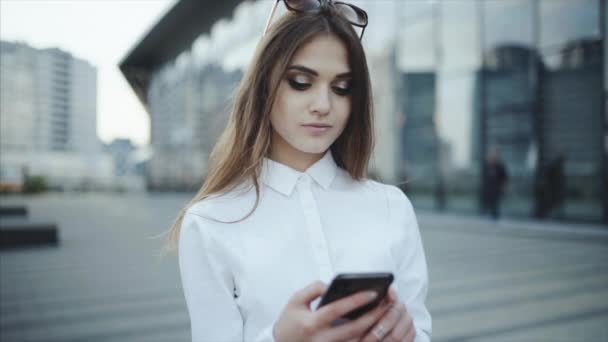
x=314, y=73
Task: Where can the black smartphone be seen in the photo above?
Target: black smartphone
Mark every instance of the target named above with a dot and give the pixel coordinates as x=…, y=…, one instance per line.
x=346, y=284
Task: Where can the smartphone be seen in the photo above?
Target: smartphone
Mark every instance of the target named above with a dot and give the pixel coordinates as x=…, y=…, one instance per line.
x=346, y=284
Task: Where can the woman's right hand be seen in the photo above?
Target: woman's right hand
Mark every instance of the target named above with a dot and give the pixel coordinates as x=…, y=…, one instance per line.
x=298, y=323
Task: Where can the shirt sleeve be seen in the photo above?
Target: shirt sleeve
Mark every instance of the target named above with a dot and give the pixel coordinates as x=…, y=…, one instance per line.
x=208, y=285
x=411, y=280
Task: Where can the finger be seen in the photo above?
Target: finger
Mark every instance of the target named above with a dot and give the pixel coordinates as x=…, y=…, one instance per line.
x=386, y=324
x=330, y=312
x=404, y=327
x=392, y=294
x=308, y=294
x=411, y=335
x=358, y=327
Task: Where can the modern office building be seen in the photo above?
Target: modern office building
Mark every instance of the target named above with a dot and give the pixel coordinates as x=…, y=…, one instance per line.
x=455, y=80
x=418, y=155
x=571, y=126
x=188, y=110
x=48, y=116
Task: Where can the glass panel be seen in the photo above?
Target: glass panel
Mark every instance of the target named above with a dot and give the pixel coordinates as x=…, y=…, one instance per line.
x=508, y=22
x=508, y=102
x=458, y=64
x=417, y=162
x=563, y=22
x=572, y=121
x=418, y=137
x=415, y=47
x=604, y=18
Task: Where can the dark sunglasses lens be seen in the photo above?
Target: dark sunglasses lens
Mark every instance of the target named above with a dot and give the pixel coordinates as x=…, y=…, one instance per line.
x=302, y=5
x=353, y=14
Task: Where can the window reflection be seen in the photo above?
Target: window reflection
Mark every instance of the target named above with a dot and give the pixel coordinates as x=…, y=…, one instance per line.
x=571, y=101
x=415, y=42
x=417, y=161
x=508, y=22
x=566, y=21
x=508, y=98
x=458, y=45
x=519, y=77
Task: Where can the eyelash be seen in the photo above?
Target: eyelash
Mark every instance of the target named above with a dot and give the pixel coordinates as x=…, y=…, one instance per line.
x=303, y=86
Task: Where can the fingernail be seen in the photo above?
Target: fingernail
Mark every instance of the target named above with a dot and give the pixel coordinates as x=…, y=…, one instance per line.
x=372, y=294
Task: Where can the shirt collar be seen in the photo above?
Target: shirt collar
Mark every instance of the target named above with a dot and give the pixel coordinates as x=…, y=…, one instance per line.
x=283, y=178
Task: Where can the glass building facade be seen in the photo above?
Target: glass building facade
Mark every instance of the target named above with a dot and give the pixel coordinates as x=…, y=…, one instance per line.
x=524, y=79
x=453, y=81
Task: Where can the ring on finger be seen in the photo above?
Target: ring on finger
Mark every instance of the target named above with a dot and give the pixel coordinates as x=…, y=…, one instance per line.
x=379, y=332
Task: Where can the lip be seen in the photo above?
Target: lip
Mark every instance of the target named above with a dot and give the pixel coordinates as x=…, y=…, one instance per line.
x=316, y=128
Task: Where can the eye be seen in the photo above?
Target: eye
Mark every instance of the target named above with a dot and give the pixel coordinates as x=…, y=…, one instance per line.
x=298, y=85
x=342, y=88
x=298, y=82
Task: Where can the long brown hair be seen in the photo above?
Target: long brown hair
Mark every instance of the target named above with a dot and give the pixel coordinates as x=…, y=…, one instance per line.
x=239, y=152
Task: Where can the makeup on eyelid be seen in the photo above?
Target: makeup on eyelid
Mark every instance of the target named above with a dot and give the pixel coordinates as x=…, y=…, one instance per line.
x=303, y=84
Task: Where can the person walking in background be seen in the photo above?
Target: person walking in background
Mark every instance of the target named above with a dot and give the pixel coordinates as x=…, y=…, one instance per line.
x=551, y=189
x=557, y=185
x=494, y=183
x=287, y=203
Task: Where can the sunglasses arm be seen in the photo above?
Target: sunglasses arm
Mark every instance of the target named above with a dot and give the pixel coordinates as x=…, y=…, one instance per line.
x=271, y=15
x=362, y=32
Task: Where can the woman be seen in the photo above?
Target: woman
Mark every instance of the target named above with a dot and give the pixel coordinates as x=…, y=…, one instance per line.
x=286, y=204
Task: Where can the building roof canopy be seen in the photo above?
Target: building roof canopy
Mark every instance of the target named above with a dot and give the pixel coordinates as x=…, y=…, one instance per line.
x=174, y=33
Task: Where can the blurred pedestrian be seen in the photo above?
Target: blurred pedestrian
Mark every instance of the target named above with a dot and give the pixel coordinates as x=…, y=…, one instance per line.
x=494, y=183
x=557, y=185
x=287, y=204
x=551, y=188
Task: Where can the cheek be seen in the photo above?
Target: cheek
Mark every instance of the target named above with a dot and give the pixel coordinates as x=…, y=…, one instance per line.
x=285, y=107
x=343, y=110
x=277, y=120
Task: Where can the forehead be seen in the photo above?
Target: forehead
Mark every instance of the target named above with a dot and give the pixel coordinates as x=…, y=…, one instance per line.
x=324, y=53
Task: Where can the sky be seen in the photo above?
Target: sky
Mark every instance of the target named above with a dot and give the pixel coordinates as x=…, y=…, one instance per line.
x=101, y=32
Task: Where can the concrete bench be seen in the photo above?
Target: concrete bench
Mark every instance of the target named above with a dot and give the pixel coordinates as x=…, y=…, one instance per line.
x=23, y=233
x=13, y=211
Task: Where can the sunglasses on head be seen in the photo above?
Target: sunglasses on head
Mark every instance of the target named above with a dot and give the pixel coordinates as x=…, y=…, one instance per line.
x=353, y=14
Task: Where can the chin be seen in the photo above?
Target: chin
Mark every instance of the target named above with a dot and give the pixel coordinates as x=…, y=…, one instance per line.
x=313, y=148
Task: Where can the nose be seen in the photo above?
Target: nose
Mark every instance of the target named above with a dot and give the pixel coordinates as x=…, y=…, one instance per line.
x=321, y=103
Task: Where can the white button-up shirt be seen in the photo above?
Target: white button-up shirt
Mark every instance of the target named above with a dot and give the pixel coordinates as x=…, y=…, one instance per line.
x=308, y=226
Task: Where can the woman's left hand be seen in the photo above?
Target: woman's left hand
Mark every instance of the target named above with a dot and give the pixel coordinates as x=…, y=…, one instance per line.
x=396, y=324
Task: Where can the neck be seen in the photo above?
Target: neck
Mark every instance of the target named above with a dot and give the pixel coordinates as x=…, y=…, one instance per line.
x=292, y=157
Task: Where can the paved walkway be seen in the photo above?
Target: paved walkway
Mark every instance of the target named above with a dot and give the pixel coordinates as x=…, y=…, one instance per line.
x=511, y=281
x=516, y=280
